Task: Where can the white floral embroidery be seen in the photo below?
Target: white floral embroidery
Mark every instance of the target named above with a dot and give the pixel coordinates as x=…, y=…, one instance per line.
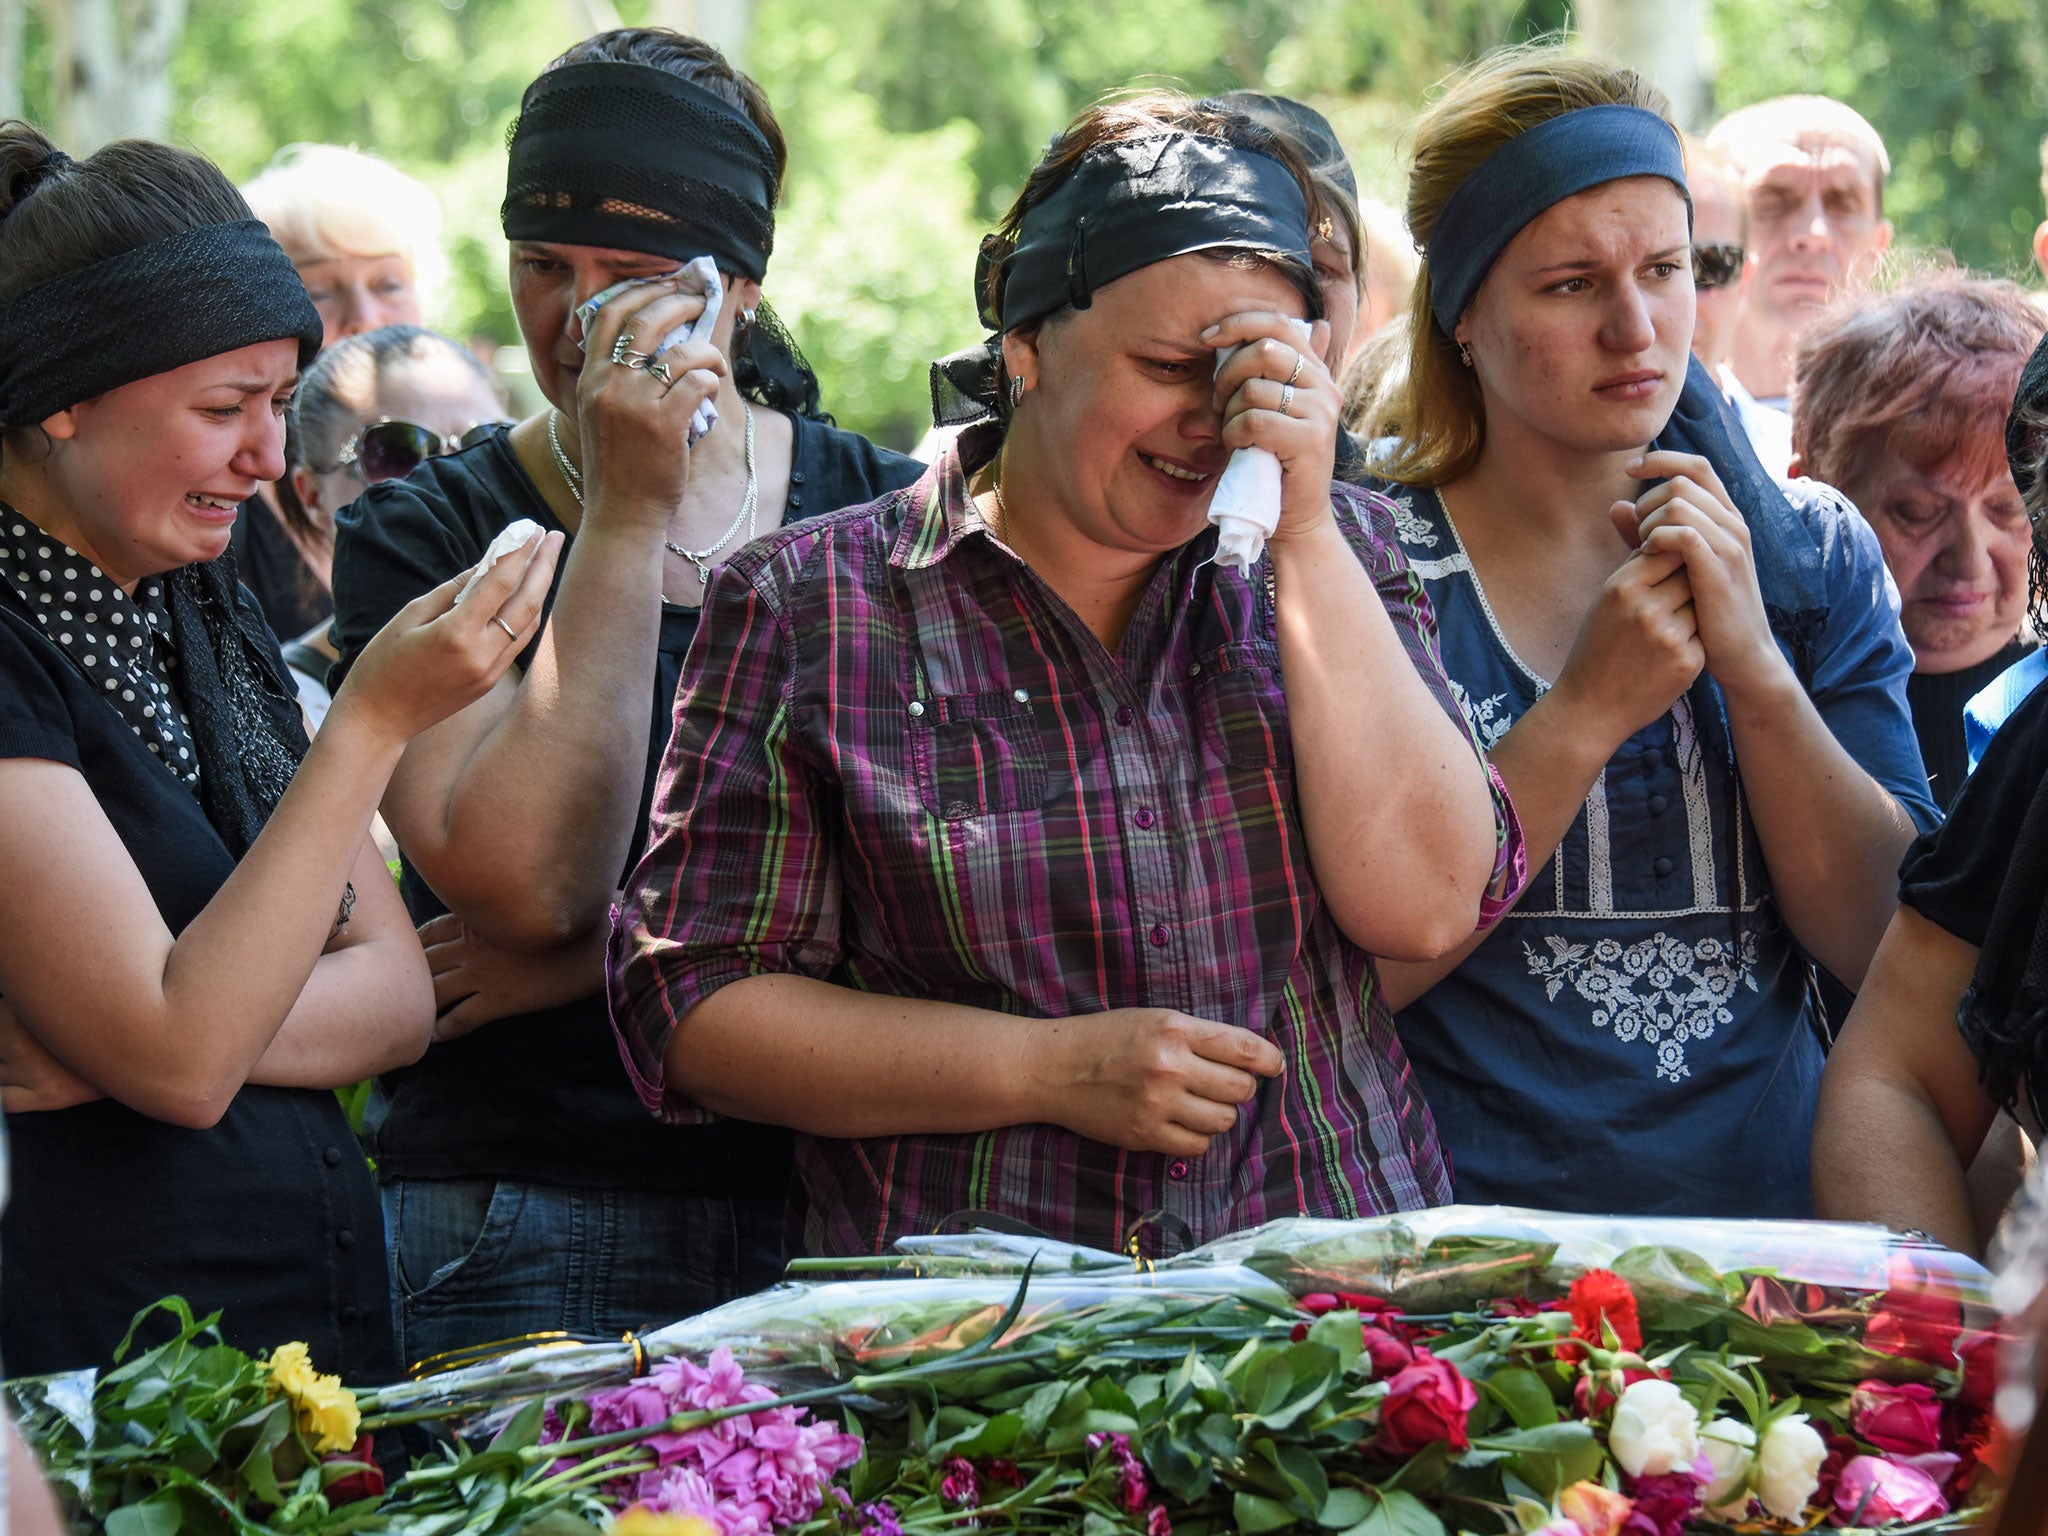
x=1488, y=717
x=1662, y=990
x=1412, y=529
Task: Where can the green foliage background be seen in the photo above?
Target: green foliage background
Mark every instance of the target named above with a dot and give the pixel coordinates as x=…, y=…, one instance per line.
x=912, y=122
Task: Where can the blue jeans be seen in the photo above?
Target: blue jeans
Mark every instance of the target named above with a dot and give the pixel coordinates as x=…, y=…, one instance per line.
x=474, y=1261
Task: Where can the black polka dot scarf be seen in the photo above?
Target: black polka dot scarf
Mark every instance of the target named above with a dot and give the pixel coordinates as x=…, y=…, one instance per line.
x=123, y=644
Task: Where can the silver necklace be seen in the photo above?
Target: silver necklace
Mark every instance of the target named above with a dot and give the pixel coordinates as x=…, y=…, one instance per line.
x=749, y=503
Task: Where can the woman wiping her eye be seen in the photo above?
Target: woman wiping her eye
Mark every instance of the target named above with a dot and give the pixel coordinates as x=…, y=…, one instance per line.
x=1014, y=851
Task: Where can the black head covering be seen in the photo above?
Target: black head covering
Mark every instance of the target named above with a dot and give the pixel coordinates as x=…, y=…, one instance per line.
x=1125, y=205
x=147, y=311
x=1303, y=127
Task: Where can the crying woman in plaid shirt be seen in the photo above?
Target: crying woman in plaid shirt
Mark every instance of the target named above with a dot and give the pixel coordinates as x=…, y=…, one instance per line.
x=1018, y=855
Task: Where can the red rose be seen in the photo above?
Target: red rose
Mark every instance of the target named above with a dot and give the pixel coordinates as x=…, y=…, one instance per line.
x=1979, y=1357
x=1388, y=1352
x=1916, y=1325
x=1903, y=1418
x=366, y=1484
x=1426, y=1402
x=1316, y=1303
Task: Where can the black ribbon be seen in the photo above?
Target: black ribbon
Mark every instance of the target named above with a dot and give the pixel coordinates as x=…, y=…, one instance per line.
x=147, y=311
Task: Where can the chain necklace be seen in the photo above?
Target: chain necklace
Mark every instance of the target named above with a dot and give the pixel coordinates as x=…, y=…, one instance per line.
x=749, y=503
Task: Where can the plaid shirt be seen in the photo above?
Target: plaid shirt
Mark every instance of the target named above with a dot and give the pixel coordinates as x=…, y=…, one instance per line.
x=901, y=764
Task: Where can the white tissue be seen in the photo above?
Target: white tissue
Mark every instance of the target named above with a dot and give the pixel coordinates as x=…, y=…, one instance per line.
x=512, y=539
x=699, y=276
x=1246, y=506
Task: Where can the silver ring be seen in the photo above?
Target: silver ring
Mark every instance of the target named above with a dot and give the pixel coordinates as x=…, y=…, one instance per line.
x=1300, y=361
x=623, y=347
x=510, y=633
x=1286, y=399
x=659, y=370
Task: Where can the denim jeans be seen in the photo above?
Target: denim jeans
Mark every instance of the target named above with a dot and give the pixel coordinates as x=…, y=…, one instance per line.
x=474, y=1261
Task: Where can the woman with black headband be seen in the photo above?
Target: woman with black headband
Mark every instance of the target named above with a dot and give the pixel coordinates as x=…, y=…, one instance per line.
x=994, y=854
x=525, y=1187
x=1953, y=1025
x=1691, y=680
x=197, y=940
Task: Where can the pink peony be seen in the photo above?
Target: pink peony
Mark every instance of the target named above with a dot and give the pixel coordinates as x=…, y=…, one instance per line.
x=1873, y=1491
x=1662, y=1504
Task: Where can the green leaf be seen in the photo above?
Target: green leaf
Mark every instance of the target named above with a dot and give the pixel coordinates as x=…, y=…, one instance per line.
x=159, y=1515
x=1038, y=1410
x=1398, y=1513
x=1179, y=1467
x=1550, y=1457
x=985, y=1437
x=1522, y=1393
x=522, y=1429
x=1344, y=1508
x=1340, y=1331
x=1255, y=1512
x=1302, y=1471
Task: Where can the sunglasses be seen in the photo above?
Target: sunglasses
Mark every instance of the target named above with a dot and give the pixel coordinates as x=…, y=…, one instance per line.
x=1716, y=266
x=390, y=450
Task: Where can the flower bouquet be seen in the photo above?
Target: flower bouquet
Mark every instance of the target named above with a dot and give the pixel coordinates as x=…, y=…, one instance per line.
x=1469, y=1371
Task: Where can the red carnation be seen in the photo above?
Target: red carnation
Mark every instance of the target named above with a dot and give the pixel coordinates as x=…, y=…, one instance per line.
x=1601, y=1294
x=1426, y=1402
x=1916, y=1325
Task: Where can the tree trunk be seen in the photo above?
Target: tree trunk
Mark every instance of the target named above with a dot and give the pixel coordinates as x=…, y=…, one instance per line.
x=1663, y=39
x=13, y=46
x=110, y=65
x=728, y=25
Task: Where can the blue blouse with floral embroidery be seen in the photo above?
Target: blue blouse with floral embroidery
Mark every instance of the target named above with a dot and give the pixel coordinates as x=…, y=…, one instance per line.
x=1635, y=1035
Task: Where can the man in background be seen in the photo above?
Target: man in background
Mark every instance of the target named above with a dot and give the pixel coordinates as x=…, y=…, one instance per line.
x=1812, y=173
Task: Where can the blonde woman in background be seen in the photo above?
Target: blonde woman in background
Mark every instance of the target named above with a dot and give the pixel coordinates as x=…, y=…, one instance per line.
x=366, y=240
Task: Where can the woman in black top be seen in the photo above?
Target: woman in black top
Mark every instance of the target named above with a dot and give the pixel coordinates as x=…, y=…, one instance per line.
x=525, y=1188
x=197, y=942
x=1952, y=1023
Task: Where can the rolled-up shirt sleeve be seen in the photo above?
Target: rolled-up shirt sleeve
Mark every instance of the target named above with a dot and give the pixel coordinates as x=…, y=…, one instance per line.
x=1368, y=522
x=740, y=876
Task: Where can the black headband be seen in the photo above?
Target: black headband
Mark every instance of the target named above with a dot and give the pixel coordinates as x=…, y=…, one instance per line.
x=194, y=295
x=1124, y=206
x=1129, y=204
x=1531, y=173
x=637, y=159
x=1302, y=126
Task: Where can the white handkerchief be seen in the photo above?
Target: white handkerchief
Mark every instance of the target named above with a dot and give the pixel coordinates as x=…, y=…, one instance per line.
x=697, y=276
x=1246, y=506
x=510, y=539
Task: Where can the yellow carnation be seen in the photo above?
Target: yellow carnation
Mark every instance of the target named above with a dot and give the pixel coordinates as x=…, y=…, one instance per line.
x=639, y=1520
x=327, y=1410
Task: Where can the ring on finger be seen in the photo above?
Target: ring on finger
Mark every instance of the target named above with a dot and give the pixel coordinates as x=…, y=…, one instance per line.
x=659, y=370
x=510, y=633
x=1300, y=362
x=623, y=347
x=1286, y=399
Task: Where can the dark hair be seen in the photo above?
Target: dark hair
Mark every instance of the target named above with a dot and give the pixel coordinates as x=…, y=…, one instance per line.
x=58, y=215
x=319, y=414
x=1137, y=115
x=766, y=366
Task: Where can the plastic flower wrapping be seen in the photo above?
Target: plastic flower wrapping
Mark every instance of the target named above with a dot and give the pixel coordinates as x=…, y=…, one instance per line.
x=1460, y=1370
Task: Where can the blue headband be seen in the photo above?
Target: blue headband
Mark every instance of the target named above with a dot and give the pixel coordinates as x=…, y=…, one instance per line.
x=1531, y=173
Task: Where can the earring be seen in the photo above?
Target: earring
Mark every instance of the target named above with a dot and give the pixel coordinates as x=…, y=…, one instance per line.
x=746, y=318
x=1464, y=354
x=1016, y=391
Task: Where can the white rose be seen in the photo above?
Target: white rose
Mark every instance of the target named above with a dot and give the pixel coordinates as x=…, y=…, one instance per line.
x=1729, y=1446
x=1655, y=1430
x=1788, y=1466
